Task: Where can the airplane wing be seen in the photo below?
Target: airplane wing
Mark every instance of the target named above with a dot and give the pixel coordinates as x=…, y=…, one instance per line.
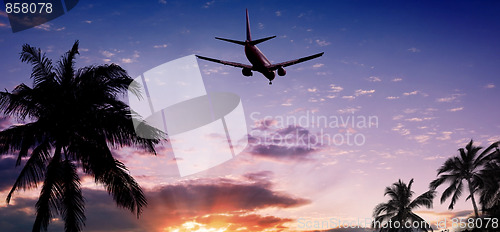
x=235, y=64
x=292, y=62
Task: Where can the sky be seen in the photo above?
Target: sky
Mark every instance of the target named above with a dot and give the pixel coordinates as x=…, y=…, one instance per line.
x=420, y=79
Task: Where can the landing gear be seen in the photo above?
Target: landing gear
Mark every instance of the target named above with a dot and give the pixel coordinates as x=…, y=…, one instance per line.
x=270, y=83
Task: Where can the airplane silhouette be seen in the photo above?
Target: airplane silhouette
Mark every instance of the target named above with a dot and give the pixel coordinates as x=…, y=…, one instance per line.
x=259, y=62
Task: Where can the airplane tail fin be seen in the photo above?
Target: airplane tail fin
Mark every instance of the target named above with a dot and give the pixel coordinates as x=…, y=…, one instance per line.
x=249, y=36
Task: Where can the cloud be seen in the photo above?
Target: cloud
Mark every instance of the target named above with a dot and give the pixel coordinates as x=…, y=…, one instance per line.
x=319, y=65
x=6, y=122
x=3, y=25
x=398, y=117
x=397, y=79
x=335, y=88
x=414, y=50
x=322, y=43
x=229, y=202
x=392, y=98
x=102, y=215
x=452, y=98
x=160, y=46
x=202, y=196
x=400, y=128
x=434, y=157
x=278, y=13
x=288, y=102
x=162, y=2
x=233, y=201
x=415, y=119
x=208, y=4
x=19, y=216
x=292, y=143
x=348, y=97
x=489, y=86
x=421, y=138
x=456, y=109
x=107, y=54
x=350, y=110
x=260, y=26
x=49, y=27
x=8, y=172
x=411, y=93
x=360, y=92
x=446, y=135
x=249, y=222
x=312, y=90
x=374, y=79
x=131, y=59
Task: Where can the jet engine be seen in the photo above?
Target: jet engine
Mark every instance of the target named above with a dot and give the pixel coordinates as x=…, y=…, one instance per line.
x=246, y=72
x=281, y=71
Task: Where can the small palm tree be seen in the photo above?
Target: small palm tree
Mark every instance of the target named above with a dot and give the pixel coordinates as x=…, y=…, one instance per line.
x=400, y=208
x=490, y=191
x=71, y=119
x=466, y=167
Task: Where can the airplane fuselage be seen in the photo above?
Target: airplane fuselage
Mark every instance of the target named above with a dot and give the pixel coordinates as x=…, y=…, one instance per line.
x=258, y=60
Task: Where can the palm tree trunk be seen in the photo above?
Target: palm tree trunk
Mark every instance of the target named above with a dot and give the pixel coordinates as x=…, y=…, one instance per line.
x=476, y=212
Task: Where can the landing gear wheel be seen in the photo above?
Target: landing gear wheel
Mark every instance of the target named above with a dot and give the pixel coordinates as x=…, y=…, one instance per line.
x=270, y=83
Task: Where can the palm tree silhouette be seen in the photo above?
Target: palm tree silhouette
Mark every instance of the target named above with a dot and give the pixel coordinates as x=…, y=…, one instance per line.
x=71, y=119
x=399, y=209
x=466, y=166
x=490, y=191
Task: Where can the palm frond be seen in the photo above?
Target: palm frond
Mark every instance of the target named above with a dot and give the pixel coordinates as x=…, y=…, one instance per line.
x=65, y=66
x=449, y=191
x=72, y=208
x=33, y=171
x=42, y=66
x=20, y=138
x=456, y=194
x=486, y=156
x=425, y=199
x=98, y=161
x=424, y=225
x=49, y=200
x=20, y=103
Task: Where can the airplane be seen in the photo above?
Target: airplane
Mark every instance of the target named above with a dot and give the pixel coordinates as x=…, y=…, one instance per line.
x=259, y=62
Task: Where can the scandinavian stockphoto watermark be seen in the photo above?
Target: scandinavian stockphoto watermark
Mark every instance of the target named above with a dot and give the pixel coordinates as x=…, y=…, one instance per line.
x=204, y=128
x=329, y=130
x=337, y=223
x=442, y=224
x=26, y=14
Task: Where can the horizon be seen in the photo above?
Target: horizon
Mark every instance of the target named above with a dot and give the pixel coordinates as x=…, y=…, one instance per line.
x=425, y=73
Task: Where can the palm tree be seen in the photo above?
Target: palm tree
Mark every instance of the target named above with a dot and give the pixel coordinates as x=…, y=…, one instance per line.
x=70, y=119
x=490, y=191
x=467, y=167
x=399, y=208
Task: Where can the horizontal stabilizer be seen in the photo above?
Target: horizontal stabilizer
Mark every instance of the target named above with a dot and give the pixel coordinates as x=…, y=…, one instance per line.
x=255, y=42
x=232, y=41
